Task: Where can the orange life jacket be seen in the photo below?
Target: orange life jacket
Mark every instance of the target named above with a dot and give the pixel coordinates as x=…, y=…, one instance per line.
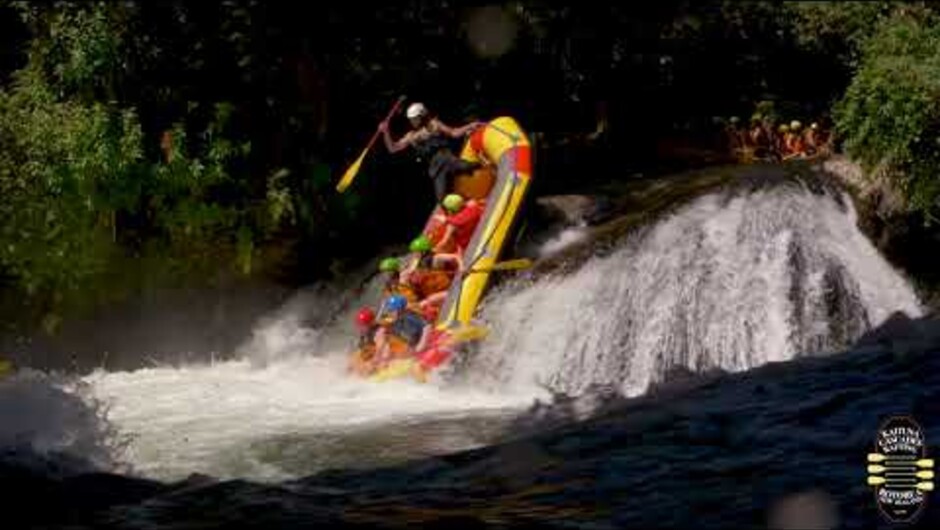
x=430, y=281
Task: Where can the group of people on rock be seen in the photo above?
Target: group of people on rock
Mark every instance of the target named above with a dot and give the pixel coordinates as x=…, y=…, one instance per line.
x=416, y=285
x=764, y=139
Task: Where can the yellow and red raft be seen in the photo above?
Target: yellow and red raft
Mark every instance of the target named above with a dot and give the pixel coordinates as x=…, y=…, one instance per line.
x=502, y=182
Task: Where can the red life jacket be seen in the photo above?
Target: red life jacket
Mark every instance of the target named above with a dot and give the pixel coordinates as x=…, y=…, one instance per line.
x=465, y=222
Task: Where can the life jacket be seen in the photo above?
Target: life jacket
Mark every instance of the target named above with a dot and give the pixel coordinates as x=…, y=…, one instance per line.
x=367, y=337
x=408, y=326
x=465, y=222
x=431, y=312
x=435, y=232
x=797, y=146
x=428, y=142
x=361, y=362
x=430, y=281
x=397, y=287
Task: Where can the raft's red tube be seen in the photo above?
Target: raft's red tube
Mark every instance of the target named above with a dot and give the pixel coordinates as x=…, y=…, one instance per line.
x=433, y=357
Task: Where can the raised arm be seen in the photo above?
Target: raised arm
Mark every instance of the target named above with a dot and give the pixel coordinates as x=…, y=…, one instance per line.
x=394, y=146
x=457, y=132
x=446, y=240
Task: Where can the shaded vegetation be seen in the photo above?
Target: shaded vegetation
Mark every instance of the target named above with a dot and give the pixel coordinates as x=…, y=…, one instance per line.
x=145, y=144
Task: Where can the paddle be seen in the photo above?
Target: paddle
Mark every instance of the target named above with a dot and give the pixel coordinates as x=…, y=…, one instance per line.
x=897, y=459
x=354, y=168
x=510, y=265
x=466, y=333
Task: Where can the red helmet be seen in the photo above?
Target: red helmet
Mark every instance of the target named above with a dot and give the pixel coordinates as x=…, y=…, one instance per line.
x=365, y=316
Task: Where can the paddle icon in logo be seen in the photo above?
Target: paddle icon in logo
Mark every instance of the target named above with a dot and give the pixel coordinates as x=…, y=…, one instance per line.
x=900, y=470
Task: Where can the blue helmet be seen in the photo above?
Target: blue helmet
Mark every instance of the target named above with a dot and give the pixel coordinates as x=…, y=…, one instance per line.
x=396, y=302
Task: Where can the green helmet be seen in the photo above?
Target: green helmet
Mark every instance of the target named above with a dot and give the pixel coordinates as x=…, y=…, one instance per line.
x=389, y=265
x=453, y=203
x=420, y=244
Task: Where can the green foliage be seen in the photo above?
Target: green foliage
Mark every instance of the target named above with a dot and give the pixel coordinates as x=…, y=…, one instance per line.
x=85, y=210
x=890, y=114
x=64, y=169
x=82, y=55
x=147, y=143
x=836, y=28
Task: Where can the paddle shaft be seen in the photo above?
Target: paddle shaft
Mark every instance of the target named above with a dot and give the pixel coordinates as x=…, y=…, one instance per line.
x=391, y=113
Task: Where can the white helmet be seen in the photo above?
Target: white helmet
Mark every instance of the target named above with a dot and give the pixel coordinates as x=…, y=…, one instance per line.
x=416, y=110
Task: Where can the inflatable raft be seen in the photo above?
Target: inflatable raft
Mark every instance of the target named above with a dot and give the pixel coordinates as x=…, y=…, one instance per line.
x=505, y=150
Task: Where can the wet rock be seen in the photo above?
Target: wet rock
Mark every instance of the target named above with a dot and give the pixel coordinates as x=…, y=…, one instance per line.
x=901, y=235
x=900, y=334
x=576, y=209
x=679, y=380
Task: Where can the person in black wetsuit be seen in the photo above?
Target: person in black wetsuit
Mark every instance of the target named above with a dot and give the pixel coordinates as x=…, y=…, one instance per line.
x=431, y=140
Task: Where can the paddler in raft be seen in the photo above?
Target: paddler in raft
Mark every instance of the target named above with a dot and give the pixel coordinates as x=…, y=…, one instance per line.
x=391, y=266
x=460, y=220
x=429, y=276
x=364, y=358
x=402, y=332
x=431, y=140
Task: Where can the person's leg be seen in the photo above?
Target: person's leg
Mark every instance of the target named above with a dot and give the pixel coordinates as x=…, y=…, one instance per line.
x=423, y=341
x=441, y=186
x=382, y=348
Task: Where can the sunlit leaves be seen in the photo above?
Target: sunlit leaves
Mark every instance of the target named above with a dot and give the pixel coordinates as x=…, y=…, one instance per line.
x=890, y=114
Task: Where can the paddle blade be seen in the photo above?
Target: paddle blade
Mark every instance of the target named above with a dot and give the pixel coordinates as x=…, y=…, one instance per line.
x=510, y=265
x=513, y=265
x=467, y=333
x=351, y=173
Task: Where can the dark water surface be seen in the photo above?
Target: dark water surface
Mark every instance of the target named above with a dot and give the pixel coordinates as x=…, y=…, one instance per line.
x=782, y=445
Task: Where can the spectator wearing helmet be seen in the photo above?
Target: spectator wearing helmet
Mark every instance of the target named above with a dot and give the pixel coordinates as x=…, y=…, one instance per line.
x=811, y=139
x=431, y=140
x=794, y=146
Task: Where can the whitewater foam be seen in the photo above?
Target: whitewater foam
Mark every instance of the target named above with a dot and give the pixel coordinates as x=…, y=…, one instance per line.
x=226, y=419
x=730, y=281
